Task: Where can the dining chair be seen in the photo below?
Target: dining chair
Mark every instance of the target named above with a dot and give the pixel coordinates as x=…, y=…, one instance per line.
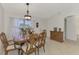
x=30, y=46
x=7, y=45
x=41, y=41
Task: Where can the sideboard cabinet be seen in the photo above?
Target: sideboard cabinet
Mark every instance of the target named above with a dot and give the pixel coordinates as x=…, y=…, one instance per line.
x=56, y=35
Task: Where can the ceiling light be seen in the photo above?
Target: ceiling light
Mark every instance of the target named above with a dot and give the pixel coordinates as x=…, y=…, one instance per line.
x=27, y=16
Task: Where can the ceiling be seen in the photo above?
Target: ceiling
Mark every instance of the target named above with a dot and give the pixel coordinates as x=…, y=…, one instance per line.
x=43, y=10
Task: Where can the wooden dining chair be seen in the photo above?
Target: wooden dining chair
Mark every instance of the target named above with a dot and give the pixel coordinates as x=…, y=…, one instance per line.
x=30, y=46
x=6, y=46
x=41, y=41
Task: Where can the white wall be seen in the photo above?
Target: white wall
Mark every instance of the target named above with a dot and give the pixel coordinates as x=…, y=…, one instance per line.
x=1, y=18
x=77, y=23
x=1, y=25
x=77, y=26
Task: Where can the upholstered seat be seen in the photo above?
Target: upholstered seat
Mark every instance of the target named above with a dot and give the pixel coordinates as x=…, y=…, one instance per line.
x=24, y=47
x=11, y=47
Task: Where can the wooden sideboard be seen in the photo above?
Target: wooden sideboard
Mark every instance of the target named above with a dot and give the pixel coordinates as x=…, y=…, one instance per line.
x=56, y=35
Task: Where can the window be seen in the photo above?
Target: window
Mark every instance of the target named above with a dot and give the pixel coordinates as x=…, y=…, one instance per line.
x=15, y=24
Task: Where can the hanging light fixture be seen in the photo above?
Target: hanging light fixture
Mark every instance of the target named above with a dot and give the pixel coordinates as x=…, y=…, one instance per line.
x=27, y=16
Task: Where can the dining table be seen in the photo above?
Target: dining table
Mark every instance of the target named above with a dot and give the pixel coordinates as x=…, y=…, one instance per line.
x=18, y=43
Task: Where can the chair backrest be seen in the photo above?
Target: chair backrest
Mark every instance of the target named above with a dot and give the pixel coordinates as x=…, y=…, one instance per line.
x=4, y=40
x=42, y=37
x=32, y=40
x=45, y=32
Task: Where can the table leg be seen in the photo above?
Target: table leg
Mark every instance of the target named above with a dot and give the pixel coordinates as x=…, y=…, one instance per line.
x=18, y=51
x=21, y=52
x=38, y=50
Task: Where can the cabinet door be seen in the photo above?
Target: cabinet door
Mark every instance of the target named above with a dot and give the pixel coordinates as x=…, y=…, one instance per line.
x=60, y=36
x=55, y=34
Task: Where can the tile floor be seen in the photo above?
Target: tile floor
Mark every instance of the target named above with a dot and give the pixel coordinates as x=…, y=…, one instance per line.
x=56, y=48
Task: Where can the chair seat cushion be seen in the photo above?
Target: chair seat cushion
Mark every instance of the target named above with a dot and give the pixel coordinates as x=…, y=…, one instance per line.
x=24, y=47
x=11, y=47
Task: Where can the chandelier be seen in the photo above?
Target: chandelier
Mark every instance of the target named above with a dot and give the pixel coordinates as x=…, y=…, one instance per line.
x=27, y=16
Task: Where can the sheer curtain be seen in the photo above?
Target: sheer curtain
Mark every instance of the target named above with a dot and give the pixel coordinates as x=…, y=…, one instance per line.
x=14, y=26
